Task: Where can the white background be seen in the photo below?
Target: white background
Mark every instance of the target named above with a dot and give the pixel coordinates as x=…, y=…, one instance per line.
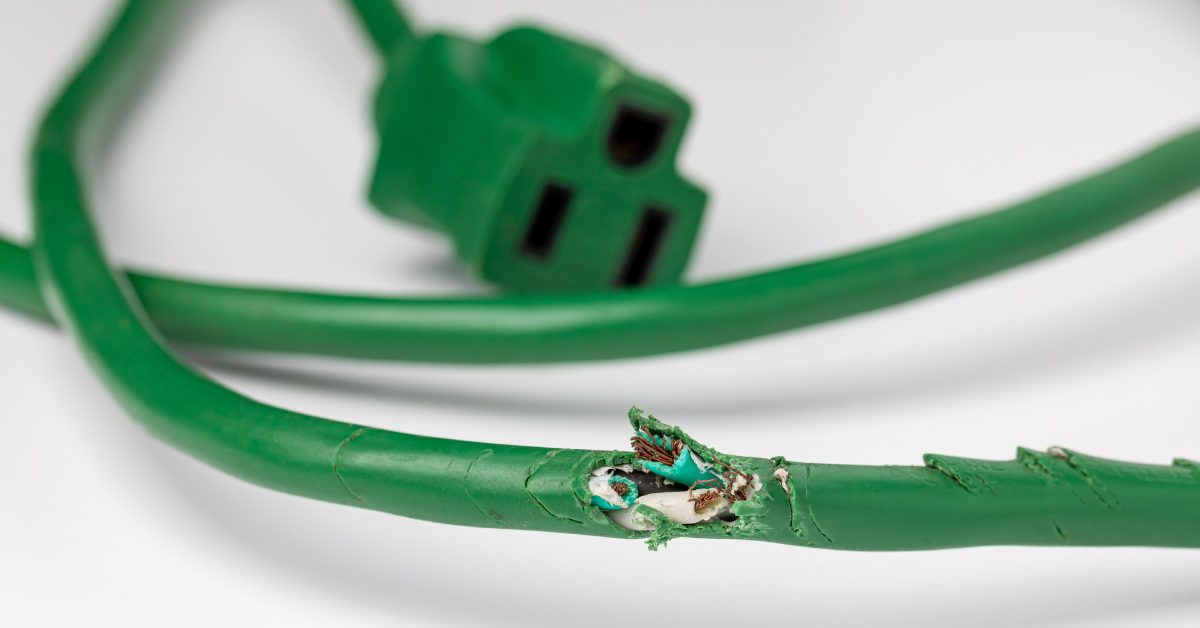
x=821, y=126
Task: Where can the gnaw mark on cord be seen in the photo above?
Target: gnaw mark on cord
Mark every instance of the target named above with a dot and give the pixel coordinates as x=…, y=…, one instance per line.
x=336, y=460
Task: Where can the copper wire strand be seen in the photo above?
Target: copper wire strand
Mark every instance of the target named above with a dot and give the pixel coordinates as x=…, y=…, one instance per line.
x=654, y=452
x=646, y=449
x=700, y=502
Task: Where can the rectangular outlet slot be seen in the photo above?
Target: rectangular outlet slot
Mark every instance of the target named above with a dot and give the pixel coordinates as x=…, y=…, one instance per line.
x=635, y=136
x=547, y=221
x=644, y=250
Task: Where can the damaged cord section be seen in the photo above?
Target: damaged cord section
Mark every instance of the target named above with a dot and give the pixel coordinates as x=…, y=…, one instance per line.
x=669, y=482
x=671, y=479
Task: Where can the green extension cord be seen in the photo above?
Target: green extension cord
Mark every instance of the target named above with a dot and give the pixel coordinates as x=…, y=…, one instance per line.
x=1053, y=498
x=602, y=325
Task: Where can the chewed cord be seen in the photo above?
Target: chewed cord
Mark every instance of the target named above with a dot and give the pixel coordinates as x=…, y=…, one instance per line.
x=1059, y=497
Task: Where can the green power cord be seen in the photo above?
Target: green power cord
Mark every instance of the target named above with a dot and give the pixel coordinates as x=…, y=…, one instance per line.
x=602, y=325
x=1053, y=498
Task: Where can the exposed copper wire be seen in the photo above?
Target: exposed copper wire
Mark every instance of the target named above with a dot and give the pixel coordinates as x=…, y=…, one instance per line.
x=654, y=452
x=646, y=449
x=700, y=502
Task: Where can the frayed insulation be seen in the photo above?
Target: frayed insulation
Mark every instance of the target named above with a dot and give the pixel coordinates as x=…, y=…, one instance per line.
x=694, y=486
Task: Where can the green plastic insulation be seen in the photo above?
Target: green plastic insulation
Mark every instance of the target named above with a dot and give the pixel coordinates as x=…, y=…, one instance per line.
x=386, y=24
x=1055, y=498
x=516, y=329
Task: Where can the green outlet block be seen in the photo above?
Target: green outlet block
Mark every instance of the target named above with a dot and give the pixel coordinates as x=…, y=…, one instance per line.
x=550, y=165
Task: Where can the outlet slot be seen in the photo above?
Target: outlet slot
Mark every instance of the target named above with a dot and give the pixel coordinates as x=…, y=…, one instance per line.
x=635, y=136
x=547, y=221
x=644, y=250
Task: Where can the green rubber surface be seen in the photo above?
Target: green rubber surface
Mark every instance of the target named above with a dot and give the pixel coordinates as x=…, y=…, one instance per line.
x=1055, y=498
x=595, y=326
